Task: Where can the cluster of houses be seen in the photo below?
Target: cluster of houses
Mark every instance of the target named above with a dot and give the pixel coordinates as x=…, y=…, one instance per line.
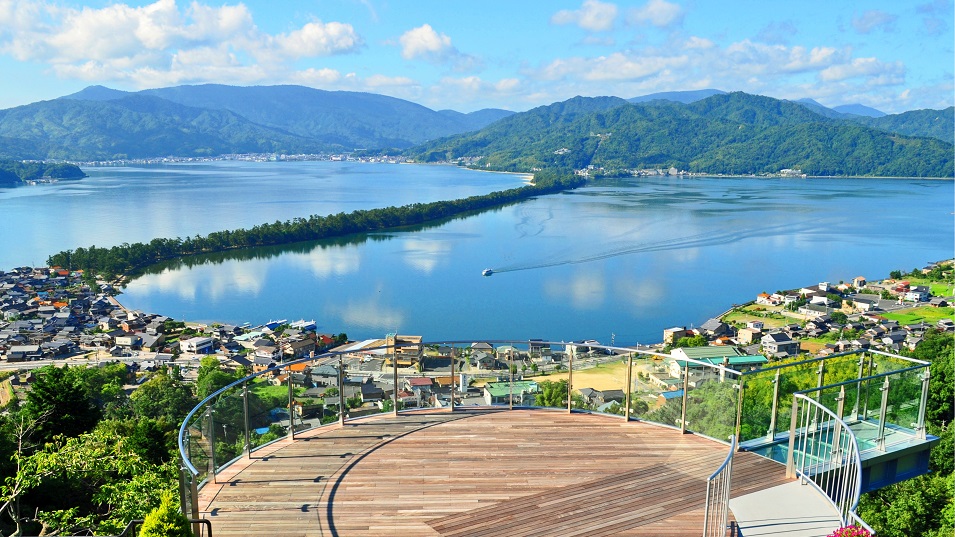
x=45, y=313
x=863, y=327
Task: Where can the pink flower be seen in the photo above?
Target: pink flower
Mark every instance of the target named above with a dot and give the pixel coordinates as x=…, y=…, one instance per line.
x=850, y=531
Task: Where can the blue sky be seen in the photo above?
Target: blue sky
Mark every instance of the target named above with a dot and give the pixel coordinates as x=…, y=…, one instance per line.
x=468, y=55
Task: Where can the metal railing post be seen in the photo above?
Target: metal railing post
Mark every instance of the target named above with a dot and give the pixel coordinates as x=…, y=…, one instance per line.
x=211, y=432
x=840, y=407
x=291, y=405
x=686, y=390
x=452, y=380
x=245, y=414
x=341, y=390
x=394, y=378
x=790, y=458
x=880, y=439
x=194, y=491
x=570, y=380
x=771, y=433
x=510, y=383
x=739, y=405
x=923, y=403
x=865, y=401
x=855, y=408
x=626, y=410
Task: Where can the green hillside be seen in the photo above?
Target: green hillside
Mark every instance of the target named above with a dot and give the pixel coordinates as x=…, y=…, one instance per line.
x=938, y=124
x=134, y=127
x=733, y=133
x=14, y=172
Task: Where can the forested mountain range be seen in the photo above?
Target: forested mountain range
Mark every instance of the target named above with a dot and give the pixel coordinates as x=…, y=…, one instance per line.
x=99, y=123
x=733, y=133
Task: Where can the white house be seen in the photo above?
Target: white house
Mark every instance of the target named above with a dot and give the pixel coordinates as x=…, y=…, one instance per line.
x=197, y=345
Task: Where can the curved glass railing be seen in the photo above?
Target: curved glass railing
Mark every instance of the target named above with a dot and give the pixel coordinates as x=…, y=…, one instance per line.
x=698, y=396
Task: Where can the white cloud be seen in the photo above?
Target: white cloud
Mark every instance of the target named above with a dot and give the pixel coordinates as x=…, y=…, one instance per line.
x=695, y=42
x=881, y=73
x=659, y=13
x=872, y=20
x=159, y=43
x=426, y=43
x=316, y=77
x=380, y=81
x=593, y=16
x=319, y=39
x=754, y=57
x=616, y=66
x=423, y=41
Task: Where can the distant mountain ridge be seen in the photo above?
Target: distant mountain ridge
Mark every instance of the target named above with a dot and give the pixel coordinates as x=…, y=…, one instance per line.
x=100, y=123
x=337, y=120
x=734, y=133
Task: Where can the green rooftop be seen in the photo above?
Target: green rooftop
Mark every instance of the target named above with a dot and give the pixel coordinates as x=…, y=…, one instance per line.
x=501, y=389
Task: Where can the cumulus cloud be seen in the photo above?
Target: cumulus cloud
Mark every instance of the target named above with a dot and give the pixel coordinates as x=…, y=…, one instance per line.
x=617, y=66
x=161, y=43
x=880, y=73
x=426, y=43
x=659, y=13
x=755, y=57
x=593, y=16
x=873, y=20
x=695, y=42
x=423, y=41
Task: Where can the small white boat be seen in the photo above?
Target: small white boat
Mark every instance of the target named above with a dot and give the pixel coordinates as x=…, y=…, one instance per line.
x=487, y=272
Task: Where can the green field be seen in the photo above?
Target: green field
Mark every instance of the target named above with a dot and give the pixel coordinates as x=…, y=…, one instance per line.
x=769, y=315
x=921, y=313
x=264, y=389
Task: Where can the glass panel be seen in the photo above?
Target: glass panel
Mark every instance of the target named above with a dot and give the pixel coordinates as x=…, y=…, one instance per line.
x=600, y=383
x=309, y=391
x=229, y=426
x=198, y=446
x=645, y=386
x=712, y=402
x=905, y=394
x=657, y=391
x=759, y=387
x=268, y=412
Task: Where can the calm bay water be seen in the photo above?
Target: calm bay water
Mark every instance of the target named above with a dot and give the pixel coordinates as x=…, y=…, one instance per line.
x=627, y=258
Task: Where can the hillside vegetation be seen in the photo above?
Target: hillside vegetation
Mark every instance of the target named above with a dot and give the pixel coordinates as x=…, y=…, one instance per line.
x=13, y=172
x=733, y=133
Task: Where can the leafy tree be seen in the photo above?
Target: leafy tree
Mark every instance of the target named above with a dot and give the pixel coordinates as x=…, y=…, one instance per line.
x=163, y=397
x=353, y=401
x=924, y=505
x=60, y=401
x=839, y=317
x=553, y=394
x=691, y=341
x=211, y=377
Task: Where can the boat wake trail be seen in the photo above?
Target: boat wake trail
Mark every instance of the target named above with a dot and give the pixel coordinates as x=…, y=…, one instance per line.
x=676, y=243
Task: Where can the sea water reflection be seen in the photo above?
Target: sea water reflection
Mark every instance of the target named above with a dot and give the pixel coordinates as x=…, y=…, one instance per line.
x=628, y=258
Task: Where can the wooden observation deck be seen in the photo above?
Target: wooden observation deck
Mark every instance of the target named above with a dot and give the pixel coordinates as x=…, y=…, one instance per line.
x=478, y=472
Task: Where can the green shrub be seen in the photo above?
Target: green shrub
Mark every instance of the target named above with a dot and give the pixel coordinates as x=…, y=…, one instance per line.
x=166, y=520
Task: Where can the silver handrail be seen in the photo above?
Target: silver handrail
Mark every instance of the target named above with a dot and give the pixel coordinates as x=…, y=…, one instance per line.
x=718, y=485
x=824, y=453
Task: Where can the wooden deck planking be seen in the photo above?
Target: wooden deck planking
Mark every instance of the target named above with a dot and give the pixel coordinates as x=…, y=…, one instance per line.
x=478, y=473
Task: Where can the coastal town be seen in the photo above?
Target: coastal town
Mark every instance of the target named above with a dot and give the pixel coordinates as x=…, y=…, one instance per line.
x=52, y=316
